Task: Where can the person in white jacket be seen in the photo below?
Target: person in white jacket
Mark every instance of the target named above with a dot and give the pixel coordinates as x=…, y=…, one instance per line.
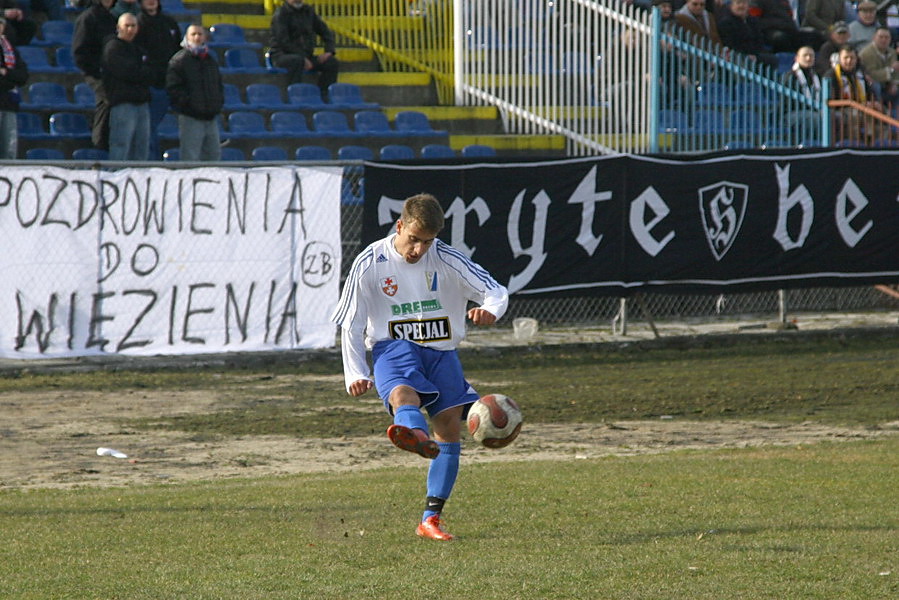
x=406, y=299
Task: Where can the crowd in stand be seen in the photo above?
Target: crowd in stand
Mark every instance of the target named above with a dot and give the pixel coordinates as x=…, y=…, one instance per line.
x=139, y=66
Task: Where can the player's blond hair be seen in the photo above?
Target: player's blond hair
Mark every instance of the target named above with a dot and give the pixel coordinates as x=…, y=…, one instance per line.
x=424, y=211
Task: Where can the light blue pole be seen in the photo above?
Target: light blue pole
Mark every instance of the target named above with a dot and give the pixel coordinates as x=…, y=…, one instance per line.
x=654, y=96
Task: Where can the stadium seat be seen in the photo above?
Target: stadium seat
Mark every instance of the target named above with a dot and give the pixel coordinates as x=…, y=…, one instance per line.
x=55, y=33
x=348, y=95
x=269, y=65
x=47, y=95
x=233, y=101
x=673, y=121
x=478, y=150
x=331, y=122
x=242, y=60
x=413, y=122
x=265, y=95
x=168, y=127
x=745, y=121
x=785, y=62
x=312, y=153
x=90, y=154
x=373, y=122
x=353, y=152
x=396, y=152
x=30, y=126
x=305, y=95
x=437, y=151
x=247, y=124
x=64, y=60
x=36, y=59
x=177, y=10
x=229, y=35
x=70, y=125
x=84, y=96
x=44, y=154
x=289, y=123
x=232, y=154
x=709, y=121
x=712, y=94
x=171, y=155
x=269, y=153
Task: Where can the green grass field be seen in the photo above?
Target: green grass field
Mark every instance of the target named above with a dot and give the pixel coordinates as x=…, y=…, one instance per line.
x=803, y=521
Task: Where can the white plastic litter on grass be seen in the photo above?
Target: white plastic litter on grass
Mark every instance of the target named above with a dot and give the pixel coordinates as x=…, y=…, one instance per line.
x=111, y=452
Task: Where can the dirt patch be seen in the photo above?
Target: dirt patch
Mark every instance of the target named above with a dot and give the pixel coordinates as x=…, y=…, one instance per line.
x=50, y=440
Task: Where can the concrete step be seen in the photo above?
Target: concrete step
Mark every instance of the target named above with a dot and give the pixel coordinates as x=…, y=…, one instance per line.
x=514, y=144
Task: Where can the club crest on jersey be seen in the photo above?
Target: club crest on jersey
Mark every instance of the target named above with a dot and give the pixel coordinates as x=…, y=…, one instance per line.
x=431, y=280
x=722, y=207
x=389, y=286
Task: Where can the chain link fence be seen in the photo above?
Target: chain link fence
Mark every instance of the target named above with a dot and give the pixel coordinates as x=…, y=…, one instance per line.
x=574, y=311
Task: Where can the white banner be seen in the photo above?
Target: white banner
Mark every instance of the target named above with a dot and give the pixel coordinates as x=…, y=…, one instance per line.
x=157, y=261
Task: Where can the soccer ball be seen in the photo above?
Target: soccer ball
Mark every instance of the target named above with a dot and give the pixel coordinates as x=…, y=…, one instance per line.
x=494, y=421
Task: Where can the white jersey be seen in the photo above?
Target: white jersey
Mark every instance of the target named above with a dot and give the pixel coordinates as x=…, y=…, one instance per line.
x=386, y=298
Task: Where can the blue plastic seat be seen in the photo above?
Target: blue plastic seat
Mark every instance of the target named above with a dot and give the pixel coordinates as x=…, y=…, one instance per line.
x=709, y=121
x=30, y=126
x=413, y=122
x=246, y=124
x=47, y=95
x=65, y=62
x=331, y=122
x=396, y=152
x=713, y=94
x=265, y=95
x=36, y=59
x=44, y=154
x=177, y=10
x=437, y=151
x=172, y=155
x=70, y=125
x=269, y=153
x=478, y=150
x=90, y=154
x=353, y=152
x=673, y=121
x=312, y=153
x=269, y=65
x=55, y=33
x=233, y=101
x=232, y=154
x=242, y=60
x=229, y=35
x=372, y=122
x=168, y=127
x=289, y=123
x=348, y=95
x=305, y=95
x=84, y=96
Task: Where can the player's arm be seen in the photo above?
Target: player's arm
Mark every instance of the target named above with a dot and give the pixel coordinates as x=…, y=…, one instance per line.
x=493, y=307
x=355, y=367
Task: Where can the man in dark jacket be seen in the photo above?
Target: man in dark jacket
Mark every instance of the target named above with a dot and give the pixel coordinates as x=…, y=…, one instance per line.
x=13, y=74
x=294, y=32
x=741, y=32
x=127, y=77
x=194, y=84
x=778, y=23
x=93, y=28
x=160, y=36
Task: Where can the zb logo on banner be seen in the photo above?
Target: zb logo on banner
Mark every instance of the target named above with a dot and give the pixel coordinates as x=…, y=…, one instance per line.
x=722, y=206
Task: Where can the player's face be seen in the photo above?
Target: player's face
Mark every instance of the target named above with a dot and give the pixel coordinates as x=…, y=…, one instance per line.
x=412, y=242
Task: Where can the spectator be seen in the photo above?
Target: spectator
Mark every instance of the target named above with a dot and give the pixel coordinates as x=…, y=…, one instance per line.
x=294, y=32
x=194, y=84
x=779, y=26
x=848, y=82
x=861, y=32
x=54, y=9
x=126, y=6
x=802, y=77
x=742, y=33
x=127, y=77
x=13, y=75
x=694, y=18
x=93, y=28
x=160, y=36
x=821, y=14
x=20, y=29
x=828, y=53
x=880, y=63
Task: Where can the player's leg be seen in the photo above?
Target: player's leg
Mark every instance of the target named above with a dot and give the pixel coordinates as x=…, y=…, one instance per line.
x=410, y=429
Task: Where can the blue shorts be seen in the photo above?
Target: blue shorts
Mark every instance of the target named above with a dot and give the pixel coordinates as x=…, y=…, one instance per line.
x=435, y=374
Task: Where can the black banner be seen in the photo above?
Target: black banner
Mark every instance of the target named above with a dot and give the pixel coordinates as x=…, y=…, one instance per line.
x=620, y=224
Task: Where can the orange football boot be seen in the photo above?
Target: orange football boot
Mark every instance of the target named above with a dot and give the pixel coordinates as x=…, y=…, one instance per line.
x=432, y=528
x=413, y=440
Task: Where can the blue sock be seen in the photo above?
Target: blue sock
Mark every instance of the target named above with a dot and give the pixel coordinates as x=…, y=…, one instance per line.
x=442, y=476
x=410, y=416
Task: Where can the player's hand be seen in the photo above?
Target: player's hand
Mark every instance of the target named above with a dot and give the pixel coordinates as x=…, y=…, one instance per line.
x=479, y=316
x=360, y=386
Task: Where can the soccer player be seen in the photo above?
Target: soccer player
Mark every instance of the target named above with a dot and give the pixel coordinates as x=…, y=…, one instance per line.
x=406, y=298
